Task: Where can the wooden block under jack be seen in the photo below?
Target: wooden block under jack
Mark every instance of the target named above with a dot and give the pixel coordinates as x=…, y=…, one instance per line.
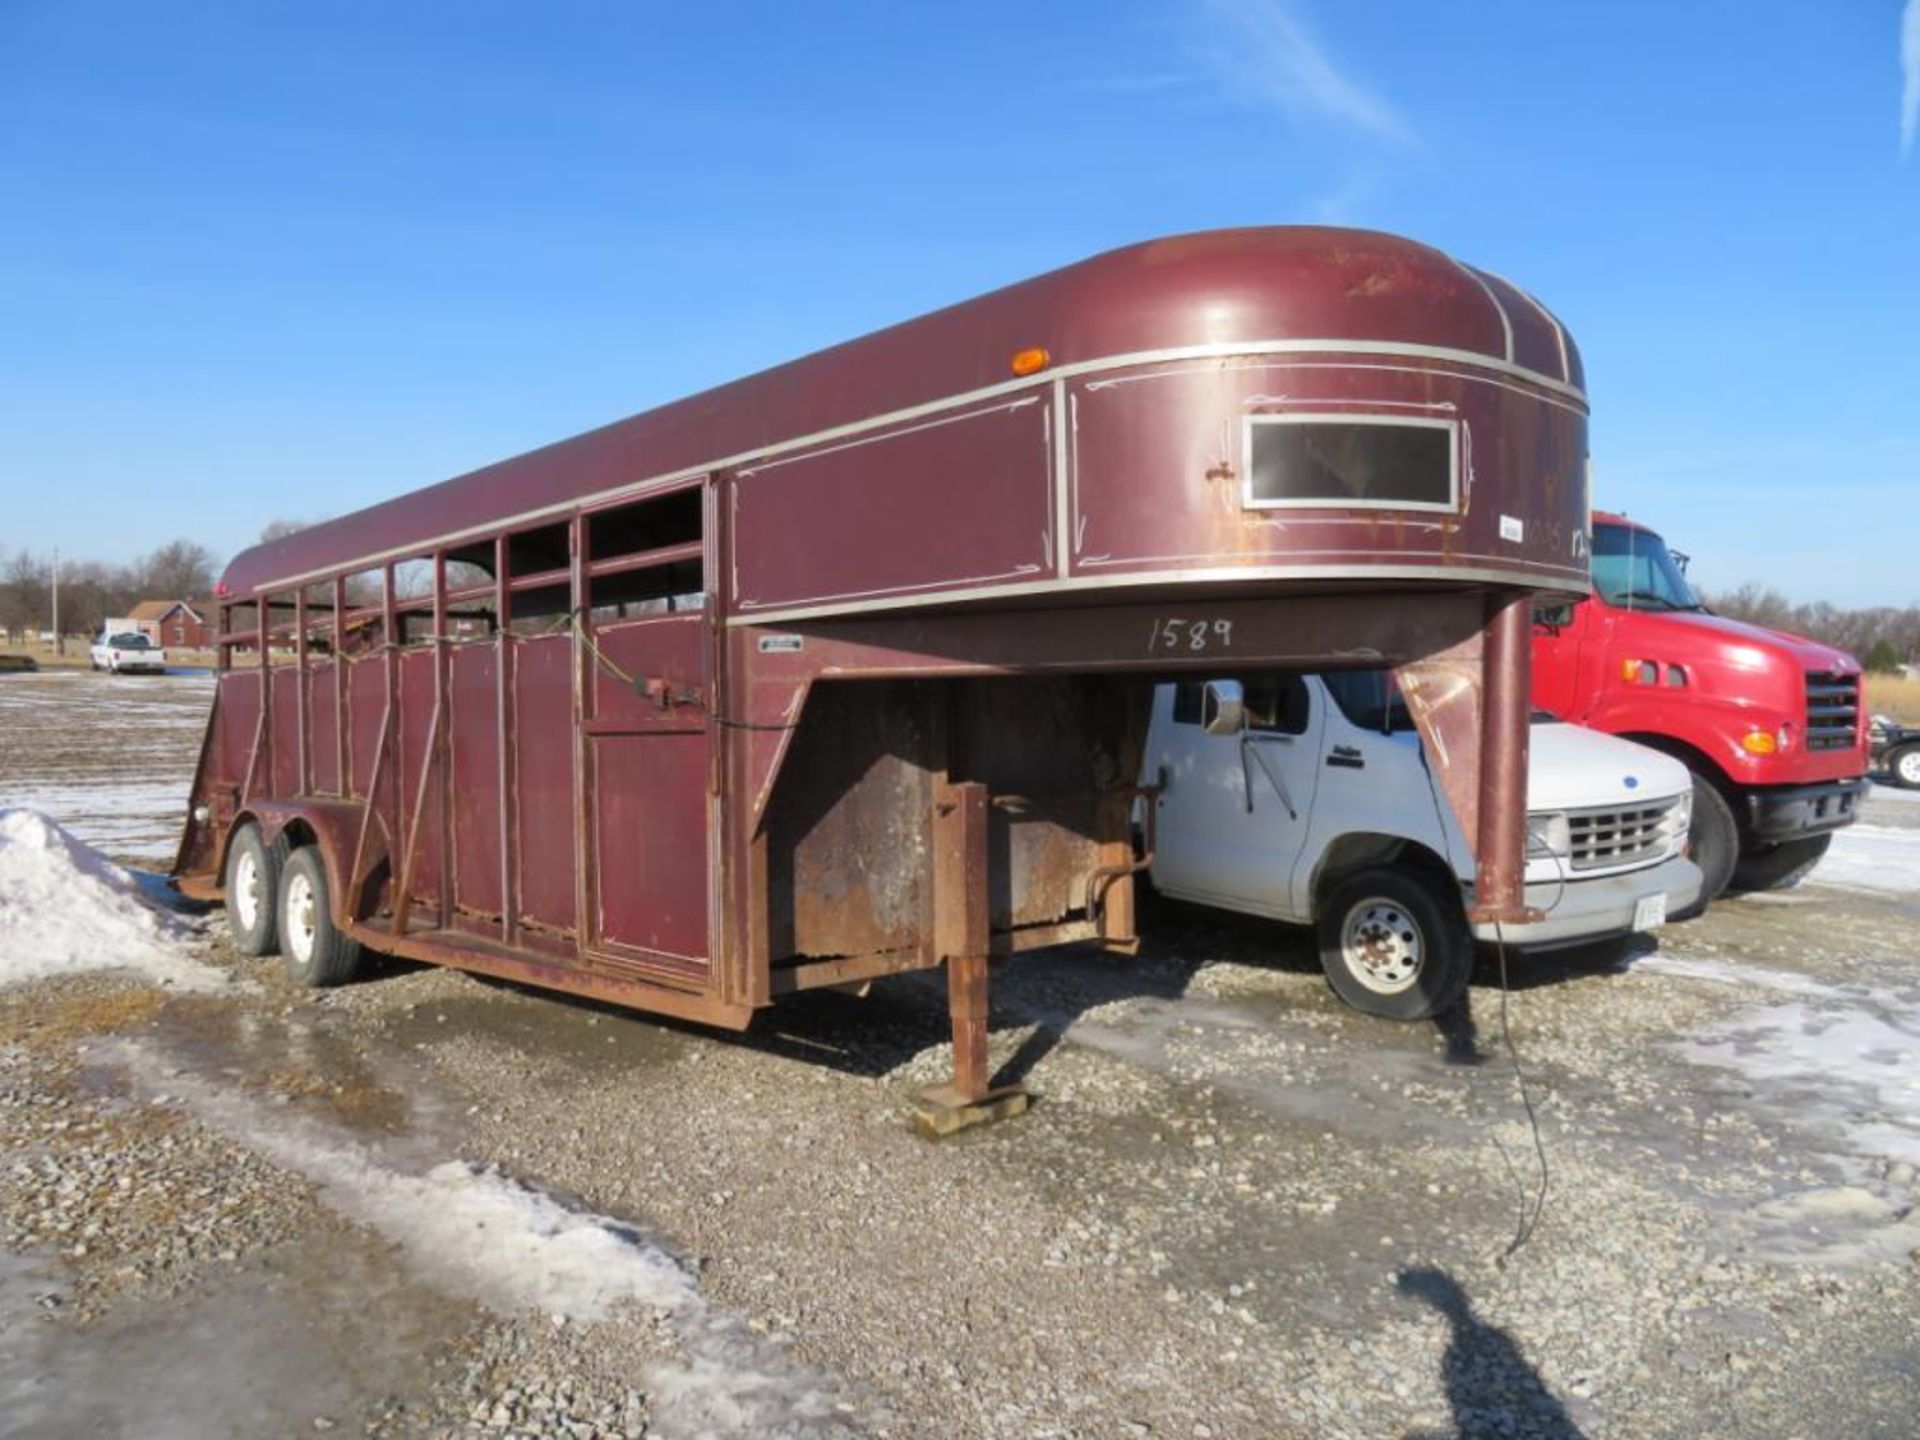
x=946, y=1110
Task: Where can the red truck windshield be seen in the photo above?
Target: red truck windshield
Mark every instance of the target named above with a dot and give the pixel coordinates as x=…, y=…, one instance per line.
x=1633, y=569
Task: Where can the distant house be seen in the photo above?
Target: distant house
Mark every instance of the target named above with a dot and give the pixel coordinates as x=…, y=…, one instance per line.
x=172, y=623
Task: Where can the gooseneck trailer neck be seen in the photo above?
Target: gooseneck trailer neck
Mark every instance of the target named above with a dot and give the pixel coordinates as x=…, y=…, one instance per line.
x=843, y=669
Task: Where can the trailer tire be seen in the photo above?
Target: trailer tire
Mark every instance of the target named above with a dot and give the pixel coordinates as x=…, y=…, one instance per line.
x=1779, y=866
x=1713, y=843
x=253, y=890
x=317, y=954
x=1903, y=765
x=1394, y=943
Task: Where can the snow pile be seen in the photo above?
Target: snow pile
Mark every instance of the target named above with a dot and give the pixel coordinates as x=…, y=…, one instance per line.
x=65, y=909
x=1881, y=858
x=484, y=1235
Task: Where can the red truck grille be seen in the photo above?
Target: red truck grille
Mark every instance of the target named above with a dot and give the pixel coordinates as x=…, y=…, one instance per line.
x=1603, y=839
x=1833, y=710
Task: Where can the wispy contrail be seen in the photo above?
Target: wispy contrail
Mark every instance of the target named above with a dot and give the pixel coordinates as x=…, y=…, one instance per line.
x=1910, y=70
x=1269, y=58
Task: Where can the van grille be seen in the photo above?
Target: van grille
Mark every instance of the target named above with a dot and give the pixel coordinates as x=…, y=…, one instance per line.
x=1604, y=839
x=1833, y=710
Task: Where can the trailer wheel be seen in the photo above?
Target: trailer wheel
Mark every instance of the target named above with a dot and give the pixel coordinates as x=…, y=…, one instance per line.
x=1779, y=866
x=1713, y=843
x=1904, y=765
x=317, y=953
x=1394, y=943
x=253, y=891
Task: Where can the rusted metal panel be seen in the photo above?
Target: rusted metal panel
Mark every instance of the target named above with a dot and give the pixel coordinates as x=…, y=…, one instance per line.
x=420, y=788
x=323, y=727
x=847, y=836
x=977, y=509
x=476, y=779
x=544, y=760
x=367, y=705
x=650, y=805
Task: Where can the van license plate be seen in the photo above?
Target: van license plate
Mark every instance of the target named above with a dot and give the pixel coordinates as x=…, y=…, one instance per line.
x=1650, y=912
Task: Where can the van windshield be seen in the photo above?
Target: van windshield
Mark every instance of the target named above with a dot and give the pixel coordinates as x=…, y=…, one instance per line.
x=1633, y=569
x=1370, y=699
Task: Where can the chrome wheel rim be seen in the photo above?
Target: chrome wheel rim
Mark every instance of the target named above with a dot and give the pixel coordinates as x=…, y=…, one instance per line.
x=1382, y=945
x=300, y=922
x=1909, y=767
x=246, y=890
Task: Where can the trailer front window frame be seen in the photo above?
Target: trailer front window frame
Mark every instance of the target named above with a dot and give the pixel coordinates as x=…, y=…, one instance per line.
x=1251, y=491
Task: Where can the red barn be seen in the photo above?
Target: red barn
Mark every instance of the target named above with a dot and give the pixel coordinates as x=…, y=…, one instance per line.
x=171, y=623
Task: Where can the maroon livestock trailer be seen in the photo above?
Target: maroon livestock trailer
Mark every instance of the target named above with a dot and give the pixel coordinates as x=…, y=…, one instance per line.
x=842, y=669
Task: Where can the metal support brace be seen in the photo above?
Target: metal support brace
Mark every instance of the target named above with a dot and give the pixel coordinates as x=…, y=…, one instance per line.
x=962, y=933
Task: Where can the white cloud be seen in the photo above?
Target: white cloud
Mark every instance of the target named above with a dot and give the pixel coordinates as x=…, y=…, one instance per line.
x=1259, y=52
x=1910, y=70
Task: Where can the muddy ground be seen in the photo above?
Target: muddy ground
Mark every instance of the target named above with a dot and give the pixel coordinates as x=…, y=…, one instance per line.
x=426, y=1204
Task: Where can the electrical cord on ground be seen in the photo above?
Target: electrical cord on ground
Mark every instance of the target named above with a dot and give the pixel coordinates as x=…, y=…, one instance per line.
x=1530, y=1208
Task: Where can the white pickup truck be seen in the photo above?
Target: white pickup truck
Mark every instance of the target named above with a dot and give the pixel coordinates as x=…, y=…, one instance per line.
x=1307, y=798
x=127, y=652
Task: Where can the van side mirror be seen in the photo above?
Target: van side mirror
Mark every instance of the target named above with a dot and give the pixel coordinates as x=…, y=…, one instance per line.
x=1223, y=707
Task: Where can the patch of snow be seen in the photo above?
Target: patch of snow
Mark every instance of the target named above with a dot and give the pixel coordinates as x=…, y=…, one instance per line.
x=1884, y=859
x=139, y=822
x=477, y=1232
x=65, y=909
x=1721, y=972
x=1837, y=1064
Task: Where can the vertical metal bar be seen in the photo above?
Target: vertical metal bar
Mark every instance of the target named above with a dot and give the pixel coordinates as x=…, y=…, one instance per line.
x=263, y=622
x=301, y=699
x=442, y=759
x=504, y=714
x=342, y=714
x=962, y=927
x=390, y=743
x=583, y=927
x=1506, y=675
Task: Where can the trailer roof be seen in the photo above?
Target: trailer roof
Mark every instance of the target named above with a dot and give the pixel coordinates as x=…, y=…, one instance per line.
x=1316, y=288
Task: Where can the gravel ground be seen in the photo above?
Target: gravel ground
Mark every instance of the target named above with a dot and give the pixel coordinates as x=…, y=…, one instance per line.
x=1236, y=1209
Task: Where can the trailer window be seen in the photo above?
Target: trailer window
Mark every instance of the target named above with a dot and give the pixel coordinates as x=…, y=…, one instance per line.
x=647, y=557
x=1350, y=461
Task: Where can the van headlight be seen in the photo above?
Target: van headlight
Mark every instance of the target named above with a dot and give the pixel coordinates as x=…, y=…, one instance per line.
x=1679, y=822
x=1548, y=835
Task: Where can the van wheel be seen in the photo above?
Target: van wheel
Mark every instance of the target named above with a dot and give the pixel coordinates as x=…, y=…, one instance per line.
x=1904, y=766
x=1394, y=943
x=317, y=953
x=1779, y=866
x=253, y=891
x=1713, y=843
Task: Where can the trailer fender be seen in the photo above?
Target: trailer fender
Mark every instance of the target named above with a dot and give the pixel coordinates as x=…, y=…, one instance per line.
x=331, y=826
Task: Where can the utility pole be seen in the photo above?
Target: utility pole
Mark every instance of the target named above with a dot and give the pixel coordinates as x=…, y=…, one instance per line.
x=59, y=647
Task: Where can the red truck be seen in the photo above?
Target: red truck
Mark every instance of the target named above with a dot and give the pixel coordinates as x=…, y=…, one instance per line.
x=1770, y=724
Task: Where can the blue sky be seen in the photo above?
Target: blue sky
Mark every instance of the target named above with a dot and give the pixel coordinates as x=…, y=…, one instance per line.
x=266, y=260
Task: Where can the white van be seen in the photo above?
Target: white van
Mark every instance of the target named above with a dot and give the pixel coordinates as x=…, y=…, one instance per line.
x=1307, y=798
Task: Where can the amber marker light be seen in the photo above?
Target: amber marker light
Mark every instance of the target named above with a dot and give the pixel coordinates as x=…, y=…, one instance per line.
x=1033, y=358
x=1758, y=742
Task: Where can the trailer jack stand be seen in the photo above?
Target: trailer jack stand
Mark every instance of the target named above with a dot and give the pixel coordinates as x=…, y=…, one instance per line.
x=967, y=1100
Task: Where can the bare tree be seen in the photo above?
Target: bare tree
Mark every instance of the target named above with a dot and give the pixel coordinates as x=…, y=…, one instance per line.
x=24, y=585
x=178, y=570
